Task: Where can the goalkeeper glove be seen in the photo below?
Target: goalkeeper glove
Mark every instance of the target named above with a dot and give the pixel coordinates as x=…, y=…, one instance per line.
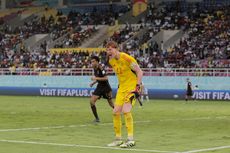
x=136, y=92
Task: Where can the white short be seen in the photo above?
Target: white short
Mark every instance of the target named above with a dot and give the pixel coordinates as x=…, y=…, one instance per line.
x=145, y=91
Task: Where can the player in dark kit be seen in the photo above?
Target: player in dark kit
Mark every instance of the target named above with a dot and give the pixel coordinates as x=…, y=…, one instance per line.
x=189, y=91
x=103, y=88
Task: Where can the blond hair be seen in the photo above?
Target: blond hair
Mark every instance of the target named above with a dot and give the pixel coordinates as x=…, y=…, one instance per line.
x=112, y=44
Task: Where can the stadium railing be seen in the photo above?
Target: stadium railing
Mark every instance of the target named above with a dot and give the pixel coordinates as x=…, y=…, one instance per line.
x=218, y=72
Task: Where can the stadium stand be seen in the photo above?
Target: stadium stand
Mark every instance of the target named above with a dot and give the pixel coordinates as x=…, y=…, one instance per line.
x=205, y=42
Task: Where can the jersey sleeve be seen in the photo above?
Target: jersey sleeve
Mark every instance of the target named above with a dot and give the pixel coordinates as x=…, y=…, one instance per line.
x=130, y=60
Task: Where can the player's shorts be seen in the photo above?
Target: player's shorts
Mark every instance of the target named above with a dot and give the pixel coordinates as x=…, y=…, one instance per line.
x=103, y=92
x=189, y=93
x=144, y=92
x=124, y=97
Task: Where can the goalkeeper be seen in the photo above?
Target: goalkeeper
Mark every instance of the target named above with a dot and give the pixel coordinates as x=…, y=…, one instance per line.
x=129, y=77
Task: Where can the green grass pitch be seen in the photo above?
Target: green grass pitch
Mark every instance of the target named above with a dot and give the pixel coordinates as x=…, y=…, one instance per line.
x=64, y=125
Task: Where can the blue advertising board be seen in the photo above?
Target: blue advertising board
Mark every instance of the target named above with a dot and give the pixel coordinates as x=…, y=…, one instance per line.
x=86, y=92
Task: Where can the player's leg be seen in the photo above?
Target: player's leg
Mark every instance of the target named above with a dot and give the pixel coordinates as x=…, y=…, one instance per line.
x=117, y=126
x=189, y=95
x=142, y=97
x=93, y=100
x=186, y=96
x=109, y=99
x=147, y=97
x=146, y=94
x=126, y=109
x=117, y=121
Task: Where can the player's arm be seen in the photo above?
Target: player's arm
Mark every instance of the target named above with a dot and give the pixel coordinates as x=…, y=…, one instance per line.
x=93, y=83
x=137, y=70
x=135, y=67
x=103, y=76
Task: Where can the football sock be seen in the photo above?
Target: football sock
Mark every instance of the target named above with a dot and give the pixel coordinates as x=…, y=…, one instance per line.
x=94, y=110
x=147, y=97
x=129, y=124
x=117, y=125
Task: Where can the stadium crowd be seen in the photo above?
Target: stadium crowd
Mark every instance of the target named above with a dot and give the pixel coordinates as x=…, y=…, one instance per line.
x=206, y=42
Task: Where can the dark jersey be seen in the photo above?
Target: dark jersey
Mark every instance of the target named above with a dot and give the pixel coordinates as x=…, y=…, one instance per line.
x=100, y=72
x=103, y=87
x=189, y=89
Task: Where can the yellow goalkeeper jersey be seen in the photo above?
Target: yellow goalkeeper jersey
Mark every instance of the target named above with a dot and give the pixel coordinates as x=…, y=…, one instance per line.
x=127, y=78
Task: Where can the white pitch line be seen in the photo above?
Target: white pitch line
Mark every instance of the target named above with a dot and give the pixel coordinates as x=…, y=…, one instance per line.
x=60, y=127
x=207, y=149
x=84, y=146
